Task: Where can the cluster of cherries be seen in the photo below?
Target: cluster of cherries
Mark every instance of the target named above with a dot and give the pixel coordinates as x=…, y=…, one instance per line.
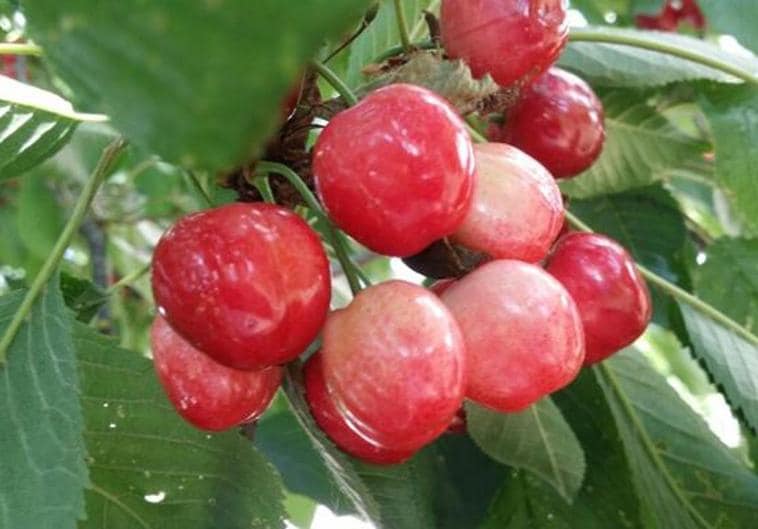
x=245, y=288
x=672, y=14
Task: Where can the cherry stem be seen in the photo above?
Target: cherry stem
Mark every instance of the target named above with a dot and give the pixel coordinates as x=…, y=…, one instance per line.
x=679, y=293
x=9, y=48
x=650, y=42
x=107, y=159
x=402, y=25
x=263, y=185
x=338, y=84
x=129, y=279
x=338, y=242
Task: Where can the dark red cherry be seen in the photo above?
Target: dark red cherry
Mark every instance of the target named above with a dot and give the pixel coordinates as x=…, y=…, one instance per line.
x=205, y=393
x=612, y=296
x=522, y=331
x=517, y=209
x=396, y=170
x=334, y=425
x=559, y=121
x=394, y=363
x=248, y=284
x=512, y=40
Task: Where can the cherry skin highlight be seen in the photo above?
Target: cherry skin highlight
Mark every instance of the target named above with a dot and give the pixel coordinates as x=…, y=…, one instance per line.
x=394, y=363
x=248, y=284
x=205, y=393
x=517, y=209
x=396, y=170
x=612, y=296
x=334, y=425
x=512, y=40
x=523, y=333
x=558, y=121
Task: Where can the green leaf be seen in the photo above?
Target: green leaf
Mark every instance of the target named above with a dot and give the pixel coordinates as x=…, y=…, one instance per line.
x=34, y=125
x=538, y=440
x=665, y=46
x=151, y=470
x=733, y=115
x=728, y=280
x=683, y=475
x=82, y=296
x=736, y=17
x=730, y=359
x=42, y=464
x=339, y=465
x=201, y=85
x=382, y=34
x=595, y=10
x=612, y=65
x=283, y=441
x=640, y=144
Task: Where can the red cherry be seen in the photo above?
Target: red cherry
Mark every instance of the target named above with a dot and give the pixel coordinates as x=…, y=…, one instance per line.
x=689, y=11
x=512, y=40
x=559, y=122
x=394, y=362
x=459, y=426
x=334, y=425
x=10, y=63
x=517, y=209
x=396, y=170
x=522, y=330
x=612, y=296
x=248, y=284
x=205, y=393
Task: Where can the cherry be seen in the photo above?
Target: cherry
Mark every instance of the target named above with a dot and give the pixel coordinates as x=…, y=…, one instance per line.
x=334, y=425
x=522, y=330
x=207, y=394
x=558, y=121
x=396, y=170
x=394, y=362
x=673, y=13
x=459, y=426
x=512, y=40
x=10, y=65
x=517, y=209
x=612, y=296
x=248, y=284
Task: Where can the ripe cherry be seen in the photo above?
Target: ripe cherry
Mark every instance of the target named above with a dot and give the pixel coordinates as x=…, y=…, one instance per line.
x=248, y=284
x=512, y=40
x=207, y=394
x=394, y=363
x=517, y=209
x=396, y=170
x=334, y=425
x=522, y=330
x=612, y=296
x=558, y=121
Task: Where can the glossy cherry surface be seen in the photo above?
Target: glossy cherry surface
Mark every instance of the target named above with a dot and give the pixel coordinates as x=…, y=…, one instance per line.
x=612, y=296
x=394, y=362
x=512, y=40
x=522, y=330
x=207, y=394
x=517, y=209
x=559, y=121
x=396, y=170
x=334, y=425
x=248, y=284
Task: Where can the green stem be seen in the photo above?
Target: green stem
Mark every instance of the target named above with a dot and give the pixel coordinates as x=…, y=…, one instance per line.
x=679, y=293
x=650, y=42
x=397, y=50
x=53, y=260
x=8, y=48
x=192, y=175
x=263, y=185
x=310, y=199
x=337, y=83
x=129, y=279
x=402, y=25
x=474, y=132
